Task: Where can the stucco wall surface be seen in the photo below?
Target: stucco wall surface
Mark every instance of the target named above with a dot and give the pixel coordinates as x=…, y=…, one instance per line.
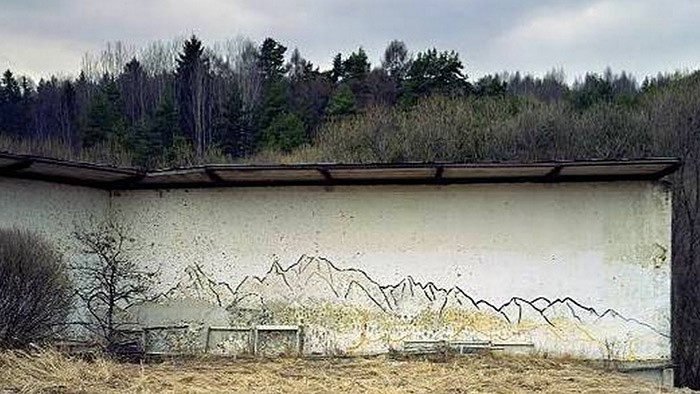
x=52, y=210
x=581, y=269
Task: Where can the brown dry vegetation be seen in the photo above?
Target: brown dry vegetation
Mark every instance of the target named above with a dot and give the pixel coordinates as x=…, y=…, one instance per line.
x=55, y=148
x=50, y=372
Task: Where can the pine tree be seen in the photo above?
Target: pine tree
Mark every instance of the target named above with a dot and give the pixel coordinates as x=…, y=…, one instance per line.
x=435, y=72
x=356, y=66
x=271, y=60
x=193, y=79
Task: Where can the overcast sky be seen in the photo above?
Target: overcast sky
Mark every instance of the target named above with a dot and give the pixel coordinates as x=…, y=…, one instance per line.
x=41, y=37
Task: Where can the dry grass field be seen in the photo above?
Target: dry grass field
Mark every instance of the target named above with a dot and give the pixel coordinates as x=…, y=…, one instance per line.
x=50, y=372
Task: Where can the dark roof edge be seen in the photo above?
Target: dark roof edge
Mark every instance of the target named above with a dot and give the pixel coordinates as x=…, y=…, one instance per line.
x=206, y=176
x=495, y=164
x=70, y=163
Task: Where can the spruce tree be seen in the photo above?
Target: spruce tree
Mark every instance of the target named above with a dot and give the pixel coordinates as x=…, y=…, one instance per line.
x=27, y=104
x=105, y=119
x=342, y=102
x=193, y=80
x=276, y=101
x=11, y=89
x=275, y=95
x=69, y=113
x=232, y=126
x=156, y=138
x=10, y=104
x=132, y=82
x=285, y=132
x=337, y=72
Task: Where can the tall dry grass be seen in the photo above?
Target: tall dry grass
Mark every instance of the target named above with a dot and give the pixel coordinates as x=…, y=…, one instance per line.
x=51, y=372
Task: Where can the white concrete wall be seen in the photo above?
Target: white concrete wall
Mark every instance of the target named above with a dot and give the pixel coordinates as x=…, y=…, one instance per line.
x=51, y=210
x=573, y=268
x=579, y=269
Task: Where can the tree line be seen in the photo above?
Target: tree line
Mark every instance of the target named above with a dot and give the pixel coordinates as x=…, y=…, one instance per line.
x=175, y=101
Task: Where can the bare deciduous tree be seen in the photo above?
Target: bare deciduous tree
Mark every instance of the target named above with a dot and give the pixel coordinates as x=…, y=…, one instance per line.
x=396, y=60
x=109, y=280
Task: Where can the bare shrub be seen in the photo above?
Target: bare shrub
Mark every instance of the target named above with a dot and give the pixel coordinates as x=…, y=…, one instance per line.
x=464, y=129
x=472, y=129
x=35, y=292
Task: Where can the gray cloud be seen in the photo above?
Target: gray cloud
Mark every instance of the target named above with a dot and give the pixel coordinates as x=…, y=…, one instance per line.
x=642, y=36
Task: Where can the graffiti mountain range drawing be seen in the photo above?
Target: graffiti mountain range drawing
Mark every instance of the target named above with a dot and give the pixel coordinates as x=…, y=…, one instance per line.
x=414, y=310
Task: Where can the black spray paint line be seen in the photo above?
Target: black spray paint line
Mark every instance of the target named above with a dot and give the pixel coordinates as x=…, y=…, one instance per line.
x=428, y=290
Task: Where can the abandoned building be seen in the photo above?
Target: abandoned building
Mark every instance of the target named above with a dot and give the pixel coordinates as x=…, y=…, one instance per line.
x=561, y=258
